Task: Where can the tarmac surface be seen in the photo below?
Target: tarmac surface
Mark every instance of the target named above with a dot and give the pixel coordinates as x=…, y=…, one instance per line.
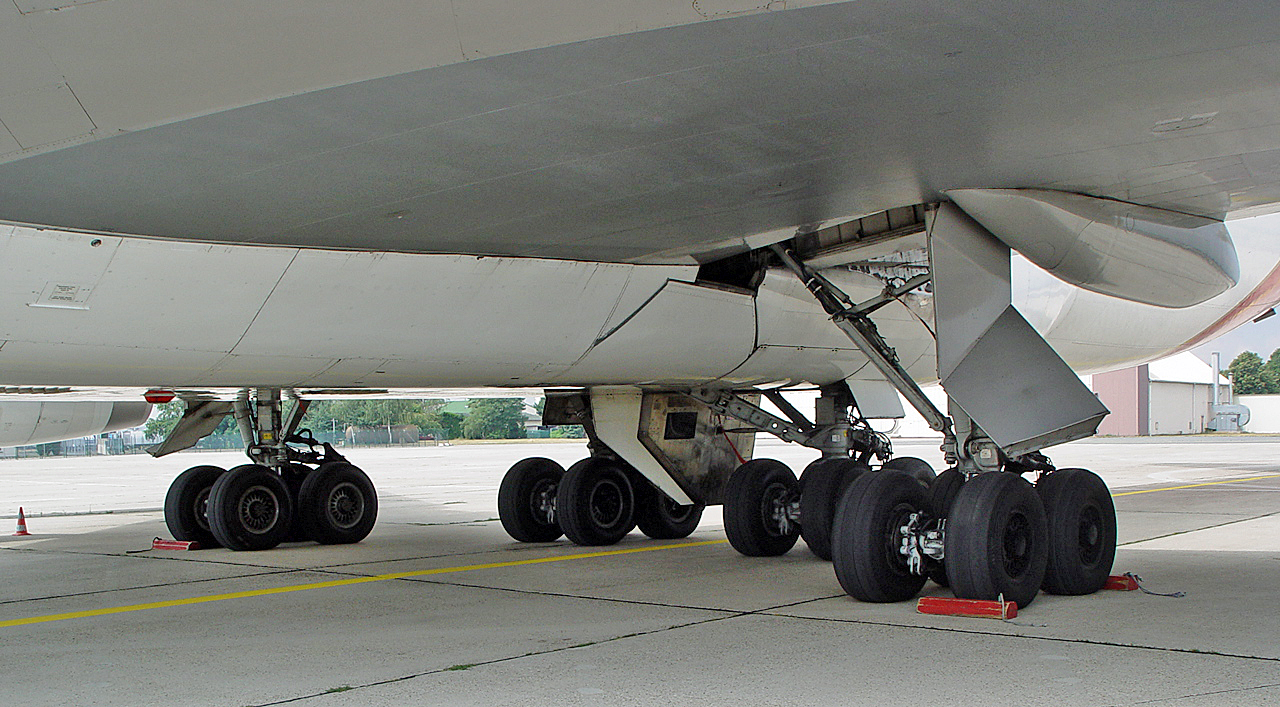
x=439, y=607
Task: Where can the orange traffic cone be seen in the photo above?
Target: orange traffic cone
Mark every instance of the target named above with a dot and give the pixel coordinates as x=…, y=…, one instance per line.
x=22, y=523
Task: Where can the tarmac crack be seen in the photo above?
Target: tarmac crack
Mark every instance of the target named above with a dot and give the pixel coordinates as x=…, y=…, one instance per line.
x=137, y=555
x=1196, y=530
x=160, y=585
x=1234, y=690
x=735, y=614
x=1050, y=639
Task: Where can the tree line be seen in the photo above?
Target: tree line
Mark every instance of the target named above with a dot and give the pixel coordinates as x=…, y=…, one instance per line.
x=486, y=418
x=1250, y=375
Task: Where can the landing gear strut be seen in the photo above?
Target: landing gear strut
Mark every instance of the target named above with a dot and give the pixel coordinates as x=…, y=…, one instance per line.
x=296, y=487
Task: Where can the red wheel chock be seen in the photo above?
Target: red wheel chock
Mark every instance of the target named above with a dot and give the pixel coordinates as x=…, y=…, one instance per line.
x=1121, y=583
x=161, y=544
x=973, y=608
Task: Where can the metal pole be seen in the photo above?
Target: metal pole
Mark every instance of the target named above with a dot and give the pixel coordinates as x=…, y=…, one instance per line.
x=1217, y=363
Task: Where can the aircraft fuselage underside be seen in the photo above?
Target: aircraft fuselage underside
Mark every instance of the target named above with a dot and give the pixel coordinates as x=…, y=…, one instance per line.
x=652, y=360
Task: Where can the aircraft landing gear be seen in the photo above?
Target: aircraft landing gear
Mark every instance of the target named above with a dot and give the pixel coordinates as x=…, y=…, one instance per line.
x=288, y=493
x=187, y=503
x=761, y=508
x=1081, y=524
x=980, y=527
x=527, y=500
x=596, y=502
x=823, y=483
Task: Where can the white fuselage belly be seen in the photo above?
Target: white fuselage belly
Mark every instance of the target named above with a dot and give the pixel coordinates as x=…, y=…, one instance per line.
x=135, y=312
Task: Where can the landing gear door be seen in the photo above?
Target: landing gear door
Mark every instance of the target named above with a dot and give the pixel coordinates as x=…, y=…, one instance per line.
x=697, y=447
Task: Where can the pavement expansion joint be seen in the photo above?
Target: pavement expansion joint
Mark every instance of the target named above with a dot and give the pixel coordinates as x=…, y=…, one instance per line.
x=138, y=554
x=1196, y=530
x=1197, y=695
x=732, y=613
x=1050, y=639
x=549, y=651
x=161, y=585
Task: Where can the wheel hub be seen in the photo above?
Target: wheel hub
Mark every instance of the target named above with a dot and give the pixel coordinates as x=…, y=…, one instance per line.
x=606, y=503
x=1017, y=545
x=259, y=509
x=345, y=505
x=202, y=508
x=780, y=508
x=543, y=501
x=1090, y=535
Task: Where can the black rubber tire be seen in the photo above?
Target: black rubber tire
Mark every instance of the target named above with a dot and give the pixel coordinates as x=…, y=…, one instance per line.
x=913, y=466
x=751, y=496
x=867, y=537
x=595, y=502
x=942, y=493
x=997, y=539
x=1082, y=531
x=250, y=508
x=186, y=505
x=821, y=486
x=526, y=500
x=661, y=518
x=337, y=504
x=293, y=479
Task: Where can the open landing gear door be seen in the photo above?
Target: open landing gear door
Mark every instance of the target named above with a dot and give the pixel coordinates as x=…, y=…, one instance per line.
x=992, y=363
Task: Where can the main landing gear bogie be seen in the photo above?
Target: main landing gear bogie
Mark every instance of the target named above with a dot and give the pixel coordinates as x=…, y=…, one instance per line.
x=598, y=501
x=993, y=535
x=253, y=507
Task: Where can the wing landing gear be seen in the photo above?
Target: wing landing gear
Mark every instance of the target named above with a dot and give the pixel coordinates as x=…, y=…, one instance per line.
x=979, y=527
x=297, y=488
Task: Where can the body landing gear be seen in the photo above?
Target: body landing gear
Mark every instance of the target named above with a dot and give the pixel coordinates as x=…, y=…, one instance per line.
x=598, y=501
x=288, y=493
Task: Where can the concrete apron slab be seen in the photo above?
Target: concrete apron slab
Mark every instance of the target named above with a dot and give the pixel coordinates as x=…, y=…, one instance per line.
x=779, y=660
x=691, y=624
x=277, y=646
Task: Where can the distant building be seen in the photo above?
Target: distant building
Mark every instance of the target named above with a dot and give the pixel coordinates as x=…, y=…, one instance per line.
x=1167, y=397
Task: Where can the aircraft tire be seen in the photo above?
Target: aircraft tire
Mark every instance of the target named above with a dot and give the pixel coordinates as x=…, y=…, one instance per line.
x=661, y=518
x=866, y=537
x=337, y=504
x=250, y=509
x=1082, y=531
x=526, y=500
x=595, y=502
x=942, y=493
x=997, y=539
x=822, y=485
x=916, y=467
x=186, y=505
x=753, y=495
x=293, y=480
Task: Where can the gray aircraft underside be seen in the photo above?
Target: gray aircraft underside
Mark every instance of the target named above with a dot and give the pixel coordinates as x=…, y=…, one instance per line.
x=655, y=211
x=206, y=197
x=647, y=131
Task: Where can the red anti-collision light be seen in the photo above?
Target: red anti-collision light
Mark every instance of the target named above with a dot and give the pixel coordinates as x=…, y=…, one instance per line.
x=158, y=397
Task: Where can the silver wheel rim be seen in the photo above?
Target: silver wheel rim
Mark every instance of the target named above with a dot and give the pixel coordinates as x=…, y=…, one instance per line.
x=606, y=505
x=345, y=505
x=259, y=510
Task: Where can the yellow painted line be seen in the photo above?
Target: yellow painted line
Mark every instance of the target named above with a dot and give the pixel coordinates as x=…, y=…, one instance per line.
x=340, y=583
x=1193, y=486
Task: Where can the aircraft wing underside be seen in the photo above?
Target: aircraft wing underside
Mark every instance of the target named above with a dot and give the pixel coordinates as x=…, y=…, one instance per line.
x=684, y=140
